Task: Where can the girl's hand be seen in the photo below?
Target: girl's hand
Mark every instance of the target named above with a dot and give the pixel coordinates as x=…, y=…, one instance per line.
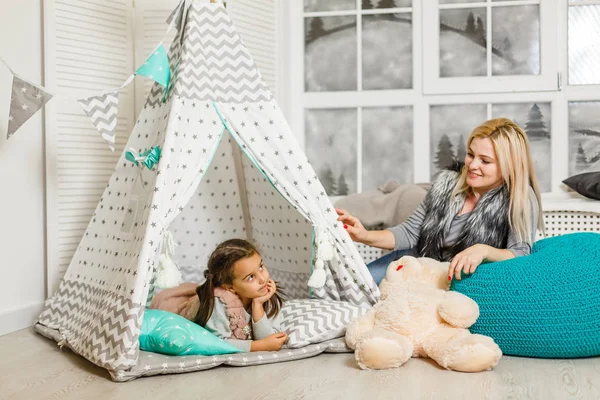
x=271, y=288
x=272, y=342
x=467, y=260
x=357, y=231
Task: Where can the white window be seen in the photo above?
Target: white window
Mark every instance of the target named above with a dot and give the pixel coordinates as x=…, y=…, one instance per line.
x=375, y=97
x=582, y=91
x=489, y=46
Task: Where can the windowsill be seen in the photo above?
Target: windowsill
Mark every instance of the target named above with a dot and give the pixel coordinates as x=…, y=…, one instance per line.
x=569, y=201
x=553, y=201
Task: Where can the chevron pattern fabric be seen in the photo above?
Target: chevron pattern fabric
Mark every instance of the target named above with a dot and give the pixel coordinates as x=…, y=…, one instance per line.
x=157, y=92
x=340, y=285
x=100, y=325
x=195, y=193
x=103, y=111
x=293, y=283
x=313, y=321
x=215, y=65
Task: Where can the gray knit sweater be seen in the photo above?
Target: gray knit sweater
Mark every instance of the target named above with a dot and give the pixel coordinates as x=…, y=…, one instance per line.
x=218, y=324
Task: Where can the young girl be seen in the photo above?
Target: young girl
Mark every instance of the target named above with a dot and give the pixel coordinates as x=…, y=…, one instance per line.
x=238, y=301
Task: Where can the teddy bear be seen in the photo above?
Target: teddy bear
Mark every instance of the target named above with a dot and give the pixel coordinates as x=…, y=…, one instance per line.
x=417, y=316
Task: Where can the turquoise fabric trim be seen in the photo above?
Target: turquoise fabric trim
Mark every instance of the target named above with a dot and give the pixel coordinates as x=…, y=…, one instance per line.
x=543, y=305
x=213, y=154
x=237, y=140
x=312, y=258
x=168, y=333
x=151, y=157
x=157, y=67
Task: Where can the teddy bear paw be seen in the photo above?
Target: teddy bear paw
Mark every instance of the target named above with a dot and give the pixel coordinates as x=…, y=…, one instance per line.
x=386, y=350
x=473, y=353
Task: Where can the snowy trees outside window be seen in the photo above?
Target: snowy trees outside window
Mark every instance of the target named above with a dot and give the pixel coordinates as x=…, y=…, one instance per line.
x=584, y=137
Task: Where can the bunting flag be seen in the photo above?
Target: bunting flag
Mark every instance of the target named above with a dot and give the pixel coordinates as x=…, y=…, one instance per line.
x=26, y=100
x=103, y=110
x=157, y=67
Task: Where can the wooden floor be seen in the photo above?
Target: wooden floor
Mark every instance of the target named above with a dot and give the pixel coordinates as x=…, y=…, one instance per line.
x=33, y=367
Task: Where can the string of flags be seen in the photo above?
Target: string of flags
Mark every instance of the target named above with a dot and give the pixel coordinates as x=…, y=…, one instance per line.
x=101, y=108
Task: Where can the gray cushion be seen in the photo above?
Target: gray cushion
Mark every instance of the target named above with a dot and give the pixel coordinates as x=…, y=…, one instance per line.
x=587, y=184
x=314, y=321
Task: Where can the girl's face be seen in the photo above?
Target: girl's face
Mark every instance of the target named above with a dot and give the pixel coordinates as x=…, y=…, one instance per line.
x=482, y=166
x=250, y=277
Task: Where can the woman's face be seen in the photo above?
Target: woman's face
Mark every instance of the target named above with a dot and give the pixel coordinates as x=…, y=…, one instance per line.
x=482, y=166
x=250, y=277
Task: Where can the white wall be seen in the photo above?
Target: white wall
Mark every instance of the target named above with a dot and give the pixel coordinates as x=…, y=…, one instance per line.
x=22, y=244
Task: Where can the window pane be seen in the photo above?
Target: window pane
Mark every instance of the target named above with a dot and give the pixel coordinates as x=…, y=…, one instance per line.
x=451, y=126
x=387, y=51
x=534, y=118
x=330, y=53
x=329, y=5
x=370, y=4
x=331, y=148
x=516, y=40
x=584, y=45
x=462, y=42
x=387, y=146
x=584, y=137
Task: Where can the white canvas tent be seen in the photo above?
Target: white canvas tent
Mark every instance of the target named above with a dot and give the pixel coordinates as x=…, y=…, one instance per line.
x=230, y=167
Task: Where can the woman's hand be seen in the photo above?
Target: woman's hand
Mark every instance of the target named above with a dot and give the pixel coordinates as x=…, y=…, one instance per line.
x=270, y=343
x=271, y=288
x=467, y=260
x=357, y=231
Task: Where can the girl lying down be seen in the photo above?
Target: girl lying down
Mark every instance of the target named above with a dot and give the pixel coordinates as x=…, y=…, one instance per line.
x=238, y=302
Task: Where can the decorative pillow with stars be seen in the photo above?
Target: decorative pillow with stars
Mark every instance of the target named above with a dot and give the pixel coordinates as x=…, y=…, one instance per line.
x=168, y=333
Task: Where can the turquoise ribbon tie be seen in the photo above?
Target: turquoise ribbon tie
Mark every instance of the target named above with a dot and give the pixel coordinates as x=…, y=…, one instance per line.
x=149, y=157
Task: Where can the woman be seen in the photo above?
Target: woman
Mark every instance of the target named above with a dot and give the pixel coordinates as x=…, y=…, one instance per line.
x=489, y=210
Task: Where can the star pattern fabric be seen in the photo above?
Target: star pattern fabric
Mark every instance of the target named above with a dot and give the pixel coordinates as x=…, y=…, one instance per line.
x=26, y=100
x=156, y=67
x=229, y=167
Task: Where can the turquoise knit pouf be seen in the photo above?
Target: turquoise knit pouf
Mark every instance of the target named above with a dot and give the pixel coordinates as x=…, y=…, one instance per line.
x=546, y=304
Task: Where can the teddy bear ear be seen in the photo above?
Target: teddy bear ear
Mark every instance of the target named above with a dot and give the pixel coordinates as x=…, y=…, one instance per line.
x=408, y=261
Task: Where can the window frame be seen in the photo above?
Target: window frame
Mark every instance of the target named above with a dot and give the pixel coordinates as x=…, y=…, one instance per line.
x=558, y=94
x=546, y=81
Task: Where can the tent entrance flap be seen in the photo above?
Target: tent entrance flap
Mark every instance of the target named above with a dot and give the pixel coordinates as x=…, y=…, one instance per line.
x=234, y=200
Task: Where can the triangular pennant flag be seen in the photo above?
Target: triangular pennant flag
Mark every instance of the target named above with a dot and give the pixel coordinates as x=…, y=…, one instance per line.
x=176, y=16
x=103, y=111
x=156, y=67
x=26, y=100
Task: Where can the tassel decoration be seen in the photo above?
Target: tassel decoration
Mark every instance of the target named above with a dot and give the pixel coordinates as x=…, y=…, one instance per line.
x=325, y=252
x=168, y=274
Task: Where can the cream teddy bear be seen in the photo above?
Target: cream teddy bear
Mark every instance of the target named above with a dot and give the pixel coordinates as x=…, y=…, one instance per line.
x=418, y=317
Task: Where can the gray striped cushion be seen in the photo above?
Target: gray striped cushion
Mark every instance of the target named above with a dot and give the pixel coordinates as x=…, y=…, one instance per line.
x=315, y=320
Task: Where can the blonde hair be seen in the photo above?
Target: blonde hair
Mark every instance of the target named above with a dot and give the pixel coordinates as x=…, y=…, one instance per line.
x=514, y=159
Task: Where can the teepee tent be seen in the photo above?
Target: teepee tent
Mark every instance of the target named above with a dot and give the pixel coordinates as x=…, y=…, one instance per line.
x=230, y=167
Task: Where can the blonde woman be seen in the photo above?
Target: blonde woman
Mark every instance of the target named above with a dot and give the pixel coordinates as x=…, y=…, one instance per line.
x=489, y=210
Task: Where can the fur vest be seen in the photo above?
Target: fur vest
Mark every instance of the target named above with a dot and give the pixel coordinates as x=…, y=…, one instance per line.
x=488, y=223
